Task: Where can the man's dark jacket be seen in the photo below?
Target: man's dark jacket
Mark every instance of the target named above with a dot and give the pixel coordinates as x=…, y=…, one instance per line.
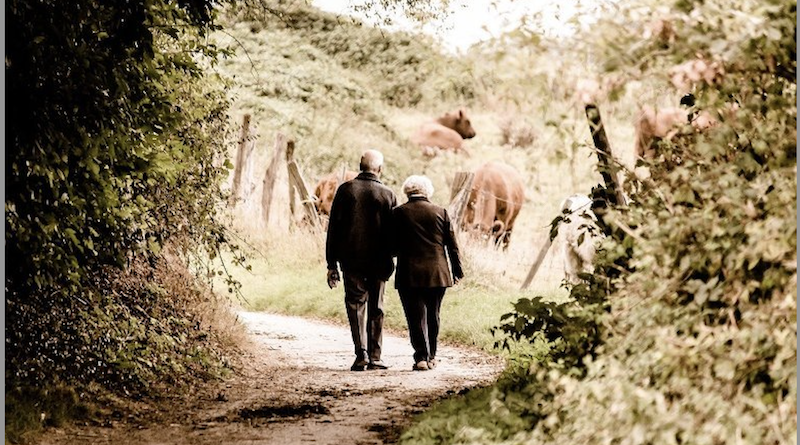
x=425, y=242
x=359, y=229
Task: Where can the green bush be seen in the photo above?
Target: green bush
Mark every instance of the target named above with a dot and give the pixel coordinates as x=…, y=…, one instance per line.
x=144, y=331
x=115, y=139
x=403, y=69
x=696, y=280
x=116, y=149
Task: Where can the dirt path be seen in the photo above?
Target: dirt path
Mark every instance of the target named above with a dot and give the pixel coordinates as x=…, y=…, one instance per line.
x=296, y=388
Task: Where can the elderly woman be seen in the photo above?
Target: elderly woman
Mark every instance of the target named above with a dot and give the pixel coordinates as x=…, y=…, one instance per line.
x=427, y=264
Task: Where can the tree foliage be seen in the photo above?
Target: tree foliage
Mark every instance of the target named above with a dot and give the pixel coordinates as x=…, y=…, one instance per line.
x=111, y=151
x=115, y=150
x=696, y=332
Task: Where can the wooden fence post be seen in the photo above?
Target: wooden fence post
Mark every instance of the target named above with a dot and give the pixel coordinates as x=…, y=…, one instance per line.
x=459, y=195
x=537, y=262
x=268, y=191
x=298, y=185
x=240, y=158
x=608, y=168
x=289, y=160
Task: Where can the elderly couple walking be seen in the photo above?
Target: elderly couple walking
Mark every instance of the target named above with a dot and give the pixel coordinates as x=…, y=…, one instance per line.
x=366, y=229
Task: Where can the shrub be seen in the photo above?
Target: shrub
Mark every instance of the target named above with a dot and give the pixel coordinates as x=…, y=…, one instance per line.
x=116, y=149
x=693, y=299
x=515, y=132
x=402, y=68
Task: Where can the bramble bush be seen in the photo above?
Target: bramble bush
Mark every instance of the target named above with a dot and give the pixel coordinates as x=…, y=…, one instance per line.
x=696, y=331
x=115, y=152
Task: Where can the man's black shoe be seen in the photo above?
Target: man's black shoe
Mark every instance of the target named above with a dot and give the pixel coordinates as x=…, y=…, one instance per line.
x=377, y=364
x=359, y=365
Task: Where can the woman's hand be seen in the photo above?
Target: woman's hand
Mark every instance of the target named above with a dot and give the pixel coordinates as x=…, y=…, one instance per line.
x=333, y=278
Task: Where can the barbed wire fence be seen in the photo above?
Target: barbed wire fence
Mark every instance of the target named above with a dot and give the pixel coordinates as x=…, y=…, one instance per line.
x=286, y=200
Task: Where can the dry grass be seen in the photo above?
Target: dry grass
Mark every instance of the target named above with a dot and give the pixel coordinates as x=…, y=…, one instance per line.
x=288, y=276
x=210, y=310
x=288, y=265
x=548, y=181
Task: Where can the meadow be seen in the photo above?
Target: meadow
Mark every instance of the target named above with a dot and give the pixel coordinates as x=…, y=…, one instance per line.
x=625, y=360
x=287, y=272
x=337, y=97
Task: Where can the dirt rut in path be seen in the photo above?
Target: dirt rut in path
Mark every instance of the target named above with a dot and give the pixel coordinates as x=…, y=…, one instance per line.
x=296, y=387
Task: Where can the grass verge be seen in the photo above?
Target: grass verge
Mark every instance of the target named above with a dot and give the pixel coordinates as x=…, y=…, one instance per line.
x=287, y=276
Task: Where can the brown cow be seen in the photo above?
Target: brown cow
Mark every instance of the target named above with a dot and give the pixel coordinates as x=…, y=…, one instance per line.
x=663, y=124
x=447, y=132
x=326, y=188
x=688, y=75
x=494, y=202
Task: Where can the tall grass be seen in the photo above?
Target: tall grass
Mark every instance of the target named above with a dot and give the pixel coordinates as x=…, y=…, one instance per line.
x=28, y=410
x=288, y=276
x=336, y=109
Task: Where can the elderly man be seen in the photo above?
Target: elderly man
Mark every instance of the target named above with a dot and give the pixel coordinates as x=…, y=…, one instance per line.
x=359, y=241
x=428, y=262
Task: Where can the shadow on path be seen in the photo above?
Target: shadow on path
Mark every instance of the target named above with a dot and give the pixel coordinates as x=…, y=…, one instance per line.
x=295, y=387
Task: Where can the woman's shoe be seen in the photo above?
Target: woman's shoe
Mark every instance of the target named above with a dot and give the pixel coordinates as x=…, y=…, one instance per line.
x=421, y=365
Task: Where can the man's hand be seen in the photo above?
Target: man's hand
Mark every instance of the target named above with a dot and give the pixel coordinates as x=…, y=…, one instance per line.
x=333, y=278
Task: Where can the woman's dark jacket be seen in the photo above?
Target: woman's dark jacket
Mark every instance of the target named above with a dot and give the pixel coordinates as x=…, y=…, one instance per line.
x=425, y=245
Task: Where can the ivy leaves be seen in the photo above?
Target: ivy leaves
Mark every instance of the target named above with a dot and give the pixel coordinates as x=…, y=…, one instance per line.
x=115, y=150
x=98, y=134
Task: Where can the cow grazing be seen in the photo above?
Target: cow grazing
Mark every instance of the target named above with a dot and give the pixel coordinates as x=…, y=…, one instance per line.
x=494, y=202
x=686, y=76
x=447, y=132
x=654, y=124
x=578, y=234
x=326, y=188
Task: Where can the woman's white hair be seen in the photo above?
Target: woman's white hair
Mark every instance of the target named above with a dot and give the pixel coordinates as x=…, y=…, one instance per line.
x=418, y=185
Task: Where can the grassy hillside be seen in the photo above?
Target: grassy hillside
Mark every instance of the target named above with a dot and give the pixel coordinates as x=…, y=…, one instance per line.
x=339, y=87
x=332, y=84
x=689, y=322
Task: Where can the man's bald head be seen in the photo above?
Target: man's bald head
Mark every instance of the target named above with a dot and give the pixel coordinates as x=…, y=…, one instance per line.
x=371, y=161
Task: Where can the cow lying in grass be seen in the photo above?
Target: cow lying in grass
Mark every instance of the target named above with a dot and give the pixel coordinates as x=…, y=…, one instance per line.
x=447, y=132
